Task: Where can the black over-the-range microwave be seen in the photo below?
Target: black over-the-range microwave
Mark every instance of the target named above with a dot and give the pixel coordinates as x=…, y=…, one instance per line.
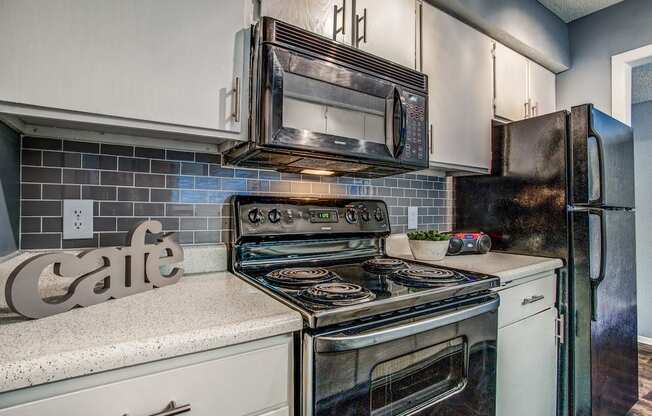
x=321, y=107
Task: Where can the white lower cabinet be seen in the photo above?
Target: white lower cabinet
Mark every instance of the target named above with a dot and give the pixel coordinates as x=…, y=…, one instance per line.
x=253, y=379
x=527, y=350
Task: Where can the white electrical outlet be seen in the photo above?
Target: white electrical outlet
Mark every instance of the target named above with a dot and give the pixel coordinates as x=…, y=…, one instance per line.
x=413, y=218
x=77, y=219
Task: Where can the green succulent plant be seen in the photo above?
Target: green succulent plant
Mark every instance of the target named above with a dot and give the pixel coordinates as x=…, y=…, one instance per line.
x=430, y=235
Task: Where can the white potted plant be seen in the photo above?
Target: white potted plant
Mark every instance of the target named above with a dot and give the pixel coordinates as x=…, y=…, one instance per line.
x=428, y=245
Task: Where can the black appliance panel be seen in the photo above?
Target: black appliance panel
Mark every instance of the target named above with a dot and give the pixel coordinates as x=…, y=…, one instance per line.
x=272, y=218
x=522, y=204
x=605, y=287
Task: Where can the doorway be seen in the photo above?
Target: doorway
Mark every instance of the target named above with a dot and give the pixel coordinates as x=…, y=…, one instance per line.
x=632, y=104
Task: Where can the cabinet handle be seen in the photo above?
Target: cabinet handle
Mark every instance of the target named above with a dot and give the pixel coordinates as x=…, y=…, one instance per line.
x=431, y=149
x=236, y=100
x=171, y=409
x=535, y=109
x=527, y=109
x=358, y=20
x=336, y=12
x=532, y=299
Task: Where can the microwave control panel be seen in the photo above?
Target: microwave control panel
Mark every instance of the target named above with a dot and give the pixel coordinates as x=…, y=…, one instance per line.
x=416, y=144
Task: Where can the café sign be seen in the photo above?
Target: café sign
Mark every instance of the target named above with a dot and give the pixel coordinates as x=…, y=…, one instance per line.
x=99, y=274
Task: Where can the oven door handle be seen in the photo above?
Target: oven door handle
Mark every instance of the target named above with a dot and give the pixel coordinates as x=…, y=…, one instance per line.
x=337, y=343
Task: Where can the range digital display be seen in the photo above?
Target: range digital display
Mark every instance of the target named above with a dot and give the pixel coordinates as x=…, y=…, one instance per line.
x=323, y=215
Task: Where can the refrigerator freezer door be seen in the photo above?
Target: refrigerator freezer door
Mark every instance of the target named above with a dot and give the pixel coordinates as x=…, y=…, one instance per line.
x=602, y=159
x=605, y=370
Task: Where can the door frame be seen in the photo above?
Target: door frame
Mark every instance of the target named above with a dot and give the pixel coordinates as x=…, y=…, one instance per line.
x=621, y=80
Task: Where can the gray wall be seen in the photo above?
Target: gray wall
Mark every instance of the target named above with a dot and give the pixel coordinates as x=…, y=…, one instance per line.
x=524, y=25
x=9, y=189
x=642, y=124
x=594, y=39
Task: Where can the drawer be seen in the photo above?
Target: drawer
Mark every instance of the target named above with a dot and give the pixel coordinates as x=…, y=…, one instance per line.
x=246, y=383
x=519, y=302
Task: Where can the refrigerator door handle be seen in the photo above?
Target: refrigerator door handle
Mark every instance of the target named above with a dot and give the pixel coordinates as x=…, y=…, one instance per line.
x=603, y=263
x=600, y=148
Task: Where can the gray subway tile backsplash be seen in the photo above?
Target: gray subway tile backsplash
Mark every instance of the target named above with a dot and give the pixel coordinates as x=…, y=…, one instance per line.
x=187, y=192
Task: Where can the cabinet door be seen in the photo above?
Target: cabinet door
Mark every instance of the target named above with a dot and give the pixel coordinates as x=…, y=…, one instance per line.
x=150, y=60
x=527, y=367
x=510, y=89
x=243, y=384
x=541, y=90
x=325, y=17
x=460, y=90
x=387, y=28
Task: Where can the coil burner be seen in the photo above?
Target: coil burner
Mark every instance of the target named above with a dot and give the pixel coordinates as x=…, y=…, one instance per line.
x=337, y=294
x=300, y=277
x=428, y=277
x=383, y=265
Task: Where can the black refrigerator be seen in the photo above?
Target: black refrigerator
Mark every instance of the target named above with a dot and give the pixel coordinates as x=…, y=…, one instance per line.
x=562, y=185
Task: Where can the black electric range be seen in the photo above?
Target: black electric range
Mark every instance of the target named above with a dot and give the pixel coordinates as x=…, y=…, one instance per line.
x=325, y=258
x=382, y=335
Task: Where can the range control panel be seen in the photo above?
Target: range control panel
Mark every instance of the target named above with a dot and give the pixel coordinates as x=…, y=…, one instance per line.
x=268, y=216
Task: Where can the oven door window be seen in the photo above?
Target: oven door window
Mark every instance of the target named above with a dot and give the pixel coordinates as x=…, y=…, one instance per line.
x=404, y=384
x=316, y=105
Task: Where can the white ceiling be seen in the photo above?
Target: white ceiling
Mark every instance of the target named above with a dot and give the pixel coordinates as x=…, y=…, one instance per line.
x=569, y=10
x=642, y=83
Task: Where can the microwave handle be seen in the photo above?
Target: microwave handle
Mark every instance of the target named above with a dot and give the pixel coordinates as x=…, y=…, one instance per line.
x=400, y=130
x=338, y=343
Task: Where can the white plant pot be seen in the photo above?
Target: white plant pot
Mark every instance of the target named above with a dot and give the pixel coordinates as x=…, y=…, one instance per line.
x=429, y=250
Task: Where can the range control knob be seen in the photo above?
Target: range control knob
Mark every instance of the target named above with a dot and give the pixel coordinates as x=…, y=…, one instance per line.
x=274, y=216
x=378, y=215
x=351, y=215
x=364, y=214
x=255, y=215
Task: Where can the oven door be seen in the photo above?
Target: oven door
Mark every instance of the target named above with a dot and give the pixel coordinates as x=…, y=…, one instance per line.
x=441, y=363
x=313, y=105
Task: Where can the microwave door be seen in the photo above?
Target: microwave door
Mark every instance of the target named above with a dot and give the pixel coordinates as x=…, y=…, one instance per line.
x=312, y=105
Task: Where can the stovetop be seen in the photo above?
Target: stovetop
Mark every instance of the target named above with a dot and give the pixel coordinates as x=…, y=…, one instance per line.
x=332, y=292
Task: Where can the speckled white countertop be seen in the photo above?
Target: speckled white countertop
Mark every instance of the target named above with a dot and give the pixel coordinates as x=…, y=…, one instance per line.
x=508, y=267
x=198, y=313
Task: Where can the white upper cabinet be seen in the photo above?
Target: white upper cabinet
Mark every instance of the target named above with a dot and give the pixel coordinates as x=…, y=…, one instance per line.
x=386, y=28
x=522, y=88
x=541, y=90
x=163, y=62
x=330, y=18
x=460, y=82
x=511, y=91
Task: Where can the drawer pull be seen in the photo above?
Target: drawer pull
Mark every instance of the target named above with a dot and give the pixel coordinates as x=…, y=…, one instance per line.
x=171, y=409
x=532, y=299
